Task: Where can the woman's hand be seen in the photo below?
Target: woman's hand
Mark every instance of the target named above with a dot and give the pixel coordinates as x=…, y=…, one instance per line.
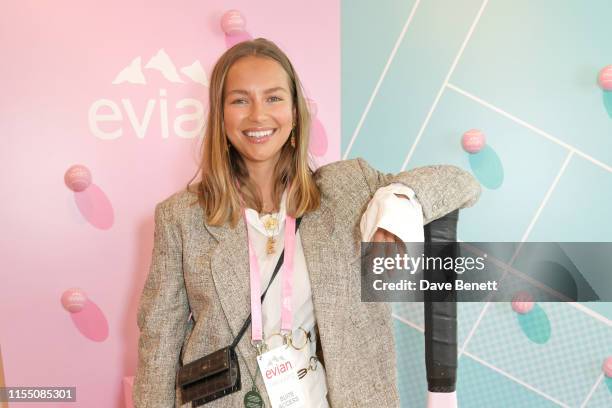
x=382, y=235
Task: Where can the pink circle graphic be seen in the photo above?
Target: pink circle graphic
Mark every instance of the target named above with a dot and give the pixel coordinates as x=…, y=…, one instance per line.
x=473, y=141
x=74, y=300
x=522, y=302
x=233, y=22
x=605, y=78
x=77, y=177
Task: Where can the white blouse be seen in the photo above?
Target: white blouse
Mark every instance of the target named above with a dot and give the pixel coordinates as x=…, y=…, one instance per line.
x=384, y=210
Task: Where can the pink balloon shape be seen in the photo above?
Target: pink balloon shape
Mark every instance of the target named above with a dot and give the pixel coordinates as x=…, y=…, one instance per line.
x=605, y=78
x=74, y=300
x=607, y=367
x=232, y=22
x=473, y=141
x=522, y=302
x=77, y=177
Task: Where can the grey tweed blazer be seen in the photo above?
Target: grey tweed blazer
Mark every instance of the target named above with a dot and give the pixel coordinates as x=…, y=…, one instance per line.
x=204, y=269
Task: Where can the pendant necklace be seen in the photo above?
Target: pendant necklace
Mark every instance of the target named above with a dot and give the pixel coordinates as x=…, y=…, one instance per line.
x=253, y=399
x=271, y=225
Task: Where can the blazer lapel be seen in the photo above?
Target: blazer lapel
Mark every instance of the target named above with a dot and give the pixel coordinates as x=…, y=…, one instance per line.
x=229, y=264
x=326, y=268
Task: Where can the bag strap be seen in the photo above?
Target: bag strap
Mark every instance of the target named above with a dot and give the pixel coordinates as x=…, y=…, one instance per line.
x=247, y=322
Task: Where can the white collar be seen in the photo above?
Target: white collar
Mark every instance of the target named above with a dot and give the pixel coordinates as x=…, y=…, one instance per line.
x=253, y=219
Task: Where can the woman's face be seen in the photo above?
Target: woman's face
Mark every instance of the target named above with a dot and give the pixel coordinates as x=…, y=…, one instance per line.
x=258, y=110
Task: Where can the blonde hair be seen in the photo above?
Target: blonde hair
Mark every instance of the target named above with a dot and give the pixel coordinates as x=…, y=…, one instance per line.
x=221, y=164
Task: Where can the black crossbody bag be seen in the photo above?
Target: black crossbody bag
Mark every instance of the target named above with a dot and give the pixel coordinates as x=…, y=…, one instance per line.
x=218, y=374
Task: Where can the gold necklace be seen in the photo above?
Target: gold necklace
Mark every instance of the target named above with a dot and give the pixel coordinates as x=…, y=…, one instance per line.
x=271, y=225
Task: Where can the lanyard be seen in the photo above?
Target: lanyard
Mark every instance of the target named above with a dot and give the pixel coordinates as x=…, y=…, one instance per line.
x=286, y=282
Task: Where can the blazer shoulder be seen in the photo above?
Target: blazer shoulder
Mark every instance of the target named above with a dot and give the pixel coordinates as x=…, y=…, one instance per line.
x=179, y=202
x=338, y=175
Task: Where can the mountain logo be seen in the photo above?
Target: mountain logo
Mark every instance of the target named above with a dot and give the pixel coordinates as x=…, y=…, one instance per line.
x=162, y=63
x=164, y=114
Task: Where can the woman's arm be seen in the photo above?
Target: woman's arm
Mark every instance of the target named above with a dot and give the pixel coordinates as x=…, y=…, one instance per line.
x=162, y=317
x=439, y=189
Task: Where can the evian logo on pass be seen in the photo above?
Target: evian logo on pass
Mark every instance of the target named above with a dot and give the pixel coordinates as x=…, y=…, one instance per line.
x=277, y=366
x=109, y=119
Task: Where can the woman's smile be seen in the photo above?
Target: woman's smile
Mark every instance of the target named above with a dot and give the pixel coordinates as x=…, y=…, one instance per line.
x=259, y=135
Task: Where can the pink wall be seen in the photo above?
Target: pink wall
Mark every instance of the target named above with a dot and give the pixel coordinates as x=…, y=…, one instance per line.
x=60, y=59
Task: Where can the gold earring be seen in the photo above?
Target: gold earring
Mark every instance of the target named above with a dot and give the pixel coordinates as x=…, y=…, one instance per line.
x=293, y=141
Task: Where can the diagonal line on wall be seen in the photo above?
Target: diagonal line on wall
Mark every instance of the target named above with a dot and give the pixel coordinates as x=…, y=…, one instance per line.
x=439, y=95
x=530, y=127
x=592, y=391
x=381, y=79
x=515, y=379
x=489, y=365
x=518, y=249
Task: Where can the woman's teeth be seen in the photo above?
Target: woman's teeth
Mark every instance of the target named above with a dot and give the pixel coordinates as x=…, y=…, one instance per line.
x=260, y=133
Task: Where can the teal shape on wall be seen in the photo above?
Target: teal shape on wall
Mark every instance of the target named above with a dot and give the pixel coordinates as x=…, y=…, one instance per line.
x=535, y=325
x=487, y=167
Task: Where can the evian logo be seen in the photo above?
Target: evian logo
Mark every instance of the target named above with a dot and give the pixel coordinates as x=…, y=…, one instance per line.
x=108, y=119
x=277, y=366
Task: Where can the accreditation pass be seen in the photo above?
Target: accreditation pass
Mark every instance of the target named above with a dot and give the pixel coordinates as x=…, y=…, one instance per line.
x=280, y=377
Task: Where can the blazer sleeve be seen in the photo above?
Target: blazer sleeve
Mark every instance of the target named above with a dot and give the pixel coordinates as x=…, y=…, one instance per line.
x=162, y=317
x=440, y=189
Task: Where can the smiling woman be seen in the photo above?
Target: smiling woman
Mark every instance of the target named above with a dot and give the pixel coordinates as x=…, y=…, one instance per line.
x=259, y=116
x=261, y=207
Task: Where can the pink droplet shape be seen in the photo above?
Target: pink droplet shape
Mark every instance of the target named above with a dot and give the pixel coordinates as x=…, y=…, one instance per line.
x=318, y=138
x=95, y=207
x=233, y=39
x=91, y=322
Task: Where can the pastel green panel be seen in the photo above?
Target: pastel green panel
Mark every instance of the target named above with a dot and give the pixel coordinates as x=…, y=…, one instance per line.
x=539, y=61
x=415, y=76
x=369, y=32
x=411, y=376
x=504, y=212
x=480, y=386
x=564, y=362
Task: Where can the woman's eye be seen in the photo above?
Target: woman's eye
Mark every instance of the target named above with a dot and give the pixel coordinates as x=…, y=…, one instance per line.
x=274, y=99
x=238, y=101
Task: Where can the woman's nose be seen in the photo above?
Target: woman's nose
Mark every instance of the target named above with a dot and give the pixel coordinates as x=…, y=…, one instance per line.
x=257, y=111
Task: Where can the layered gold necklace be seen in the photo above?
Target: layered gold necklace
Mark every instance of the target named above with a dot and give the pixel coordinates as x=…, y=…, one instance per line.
x=271, y=225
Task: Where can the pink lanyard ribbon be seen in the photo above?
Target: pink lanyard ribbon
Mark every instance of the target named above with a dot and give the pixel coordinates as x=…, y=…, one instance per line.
x=287, y=282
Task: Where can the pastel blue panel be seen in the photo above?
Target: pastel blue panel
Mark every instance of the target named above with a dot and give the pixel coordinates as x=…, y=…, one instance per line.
x=579, y=207
x=411, y=376
x=530, y=164
x=539, y=61
x=579, y=210
x=415, y=76
x=479, y=386
x=602, y=397
x=565, y=366
x=369, y=32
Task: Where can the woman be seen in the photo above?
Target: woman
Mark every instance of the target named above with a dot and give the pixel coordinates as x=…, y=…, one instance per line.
x=218, y=239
